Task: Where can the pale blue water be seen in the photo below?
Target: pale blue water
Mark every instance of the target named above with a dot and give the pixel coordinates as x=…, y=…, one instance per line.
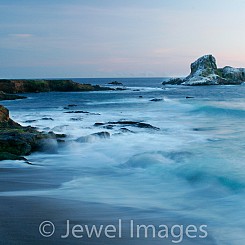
x=193, y=166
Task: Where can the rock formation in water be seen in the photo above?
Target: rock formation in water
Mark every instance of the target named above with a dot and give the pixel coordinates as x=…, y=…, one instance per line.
x=115, y=83
x=17, y=141
x=36, y=86
x=4, y=96
x=204, y=71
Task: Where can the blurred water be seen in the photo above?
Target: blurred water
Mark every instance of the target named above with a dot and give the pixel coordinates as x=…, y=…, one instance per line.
x=193, y=166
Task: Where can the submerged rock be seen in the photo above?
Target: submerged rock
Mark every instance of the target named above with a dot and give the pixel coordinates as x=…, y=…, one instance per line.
x=115, y=83
x=76, y=119
x=125, y=130
x=121, y=89
x=128, y=123
x=84, y=112
x=30, y=121
x=47, y=119
x=156, y=100
x=204, y=71
x=136, y=124
x=81, y=112
x=104, y=135
x=94, y=137
x=69, y=106
x=98, y=124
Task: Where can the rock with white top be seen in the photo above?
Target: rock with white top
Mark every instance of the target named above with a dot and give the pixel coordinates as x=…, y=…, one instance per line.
x=204, y=71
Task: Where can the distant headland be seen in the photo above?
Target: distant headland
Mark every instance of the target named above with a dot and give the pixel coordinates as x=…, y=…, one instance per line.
x=13, y=86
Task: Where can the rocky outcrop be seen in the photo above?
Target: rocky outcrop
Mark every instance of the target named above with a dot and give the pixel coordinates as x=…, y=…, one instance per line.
x=17, y=141
x=4, y=96
x=36, y=86
x=115, y=83
x=127, y=123
x=204, y=71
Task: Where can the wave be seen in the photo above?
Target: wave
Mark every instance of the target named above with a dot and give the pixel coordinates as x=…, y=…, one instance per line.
x=206, y=175
x=219, y=111
x=184, y=165
x=152, y=159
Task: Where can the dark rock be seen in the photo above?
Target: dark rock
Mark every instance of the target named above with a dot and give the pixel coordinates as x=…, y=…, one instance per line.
x=9, y=156
x=173, y=81
x=16, y=143
x=76, y=119
x=94, y=137
x=146, y=125
x=104, y=135
x=204, y=129
x=98, y=124
x=58, y=136
x=109, y=126
x=135, y=124
x=115, y=83
x=85, y=112
x=121, y=89
x=35, y=86
x=47, y=119
x=4, y=96
x=30, y=121
x=18, y=140
x=69, y=106
x=5, y=121
x=125, y=130
x=4, y=114
x=156, y=100
x=61, y=141
x=48, y=145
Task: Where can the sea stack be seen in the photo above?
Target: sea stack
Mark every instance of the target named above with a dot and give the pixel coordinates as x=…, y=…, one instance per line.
x=204, y=71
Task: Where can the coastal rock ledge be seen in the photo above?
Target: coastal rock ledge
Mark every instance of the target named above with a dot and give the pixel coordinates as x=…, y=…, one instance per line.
x=204, y=71
x=17, y=141
x=38, y=85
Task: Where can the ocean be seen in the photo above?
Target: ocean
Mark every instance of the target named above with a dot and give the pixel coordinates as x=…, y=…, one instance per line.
x=178, y=160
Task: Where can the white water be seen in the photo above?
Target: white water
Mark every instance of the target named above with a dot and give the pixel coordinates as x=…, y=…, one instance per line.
x=193, y=166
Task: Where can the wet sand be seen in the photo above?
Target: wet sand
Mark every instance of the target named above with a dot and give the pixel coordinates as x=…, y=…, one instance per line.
x=22, y=213
x=21, y=216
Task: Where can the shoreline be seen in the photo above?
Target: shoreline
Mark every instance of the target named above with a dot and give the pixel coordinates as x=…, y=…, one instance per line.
x=21, y=222
x=22, y=211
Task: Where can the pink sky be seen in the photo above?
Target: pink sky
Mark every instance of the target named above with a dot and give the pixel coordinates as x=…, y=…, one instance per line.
x=113, y=38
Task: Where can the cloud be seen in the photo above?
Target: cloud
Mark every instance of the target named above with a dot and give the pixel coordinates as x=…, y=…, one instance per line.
x=21, y=35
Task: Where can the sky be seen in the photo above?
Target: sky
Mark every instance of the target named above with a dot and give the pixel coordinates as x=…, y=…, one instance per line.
x=117, y=38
